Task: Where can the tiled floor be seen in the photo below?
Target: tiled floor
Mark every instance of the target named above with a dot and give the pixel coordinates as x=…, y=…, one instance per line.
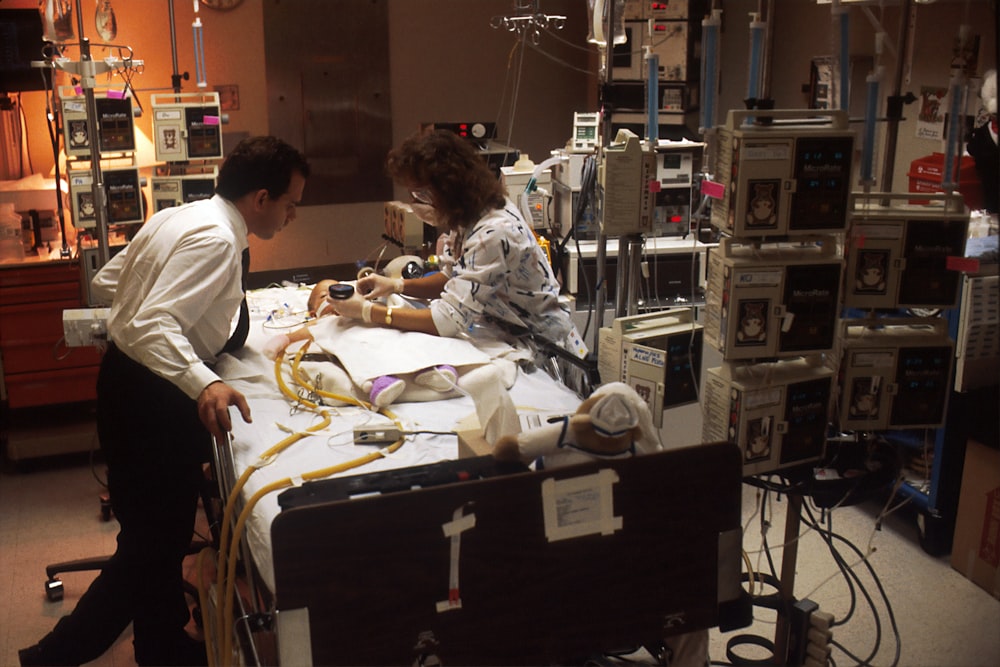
x=52, y=513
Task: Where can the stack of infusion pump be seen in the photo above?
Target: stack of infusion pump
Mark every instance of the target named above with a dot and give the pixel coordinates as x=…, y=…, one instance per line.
x=894, y=363
x=187, y=136
x=773, y=297
x=115, y=153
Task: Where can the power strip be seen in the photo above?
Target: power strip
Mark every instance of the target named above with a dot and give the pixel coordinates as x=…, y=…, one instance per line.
x=374, y=435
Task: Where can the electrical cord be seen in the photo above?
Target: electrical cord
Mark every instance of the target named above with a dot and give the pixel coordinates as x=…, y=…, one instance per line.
x=829, y=536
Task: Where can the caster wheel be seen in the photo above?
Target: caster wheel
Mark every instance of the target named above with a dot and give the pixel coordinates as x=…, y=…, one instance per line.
x=54, y=590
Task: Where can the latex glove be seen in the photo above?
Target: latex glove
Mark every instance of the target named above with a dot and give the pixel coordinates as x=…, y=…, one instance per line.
x=347, y=307
x=374, y=286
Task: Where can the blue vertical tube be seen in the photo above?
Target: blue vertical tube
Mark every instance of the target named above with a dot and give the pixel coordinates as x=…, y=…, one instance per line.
x=653, y=98
x=871, y=117
x=845, y=61
x=709, y=68
x=956, y=102
x=199, y=53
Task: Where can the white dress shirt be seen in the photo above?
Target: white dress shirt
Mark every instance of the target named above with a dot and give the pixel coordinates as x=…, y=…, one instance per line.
x=176, y=289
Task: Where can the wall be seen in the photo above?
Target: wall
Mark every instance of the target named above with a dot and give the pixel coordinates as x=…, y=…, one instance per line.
x=803, y=29
x=447, y=63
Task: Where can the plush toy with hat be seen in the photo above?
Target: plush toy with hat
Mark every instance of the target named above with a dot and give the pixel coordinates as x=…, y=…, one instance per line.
x=613, y=422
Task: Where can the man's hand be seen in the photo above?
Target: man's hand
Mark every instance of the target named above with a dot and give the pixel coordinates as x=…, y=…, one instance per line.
x=213, y=408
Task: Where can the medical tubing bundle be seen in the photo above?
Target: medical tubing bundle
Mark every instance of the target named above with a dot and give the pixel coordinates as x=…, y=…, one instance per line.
x=228, y=547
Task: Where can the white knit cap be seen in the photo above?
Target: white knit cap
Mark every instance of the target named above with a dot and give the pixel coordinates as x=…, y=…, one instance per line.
x=613, y=415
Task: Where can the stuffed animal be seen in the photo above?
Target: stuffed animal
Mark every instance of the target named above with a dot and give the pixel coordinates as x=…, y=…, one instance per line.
x=613, y=422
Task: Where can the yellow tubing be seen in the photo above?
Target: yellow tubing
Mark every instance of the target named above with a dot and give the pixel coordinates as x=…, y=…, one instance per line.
x=229, y=545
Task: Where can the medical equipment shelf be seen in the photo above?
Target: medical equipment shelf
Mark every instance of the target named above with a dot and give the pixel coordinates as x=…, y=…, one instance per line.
x=37, y=370
x=969, y=414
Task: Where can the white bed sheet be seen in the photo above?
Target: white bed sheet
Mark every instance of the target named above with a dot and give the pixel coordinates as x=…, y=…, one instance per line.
x=280, y=310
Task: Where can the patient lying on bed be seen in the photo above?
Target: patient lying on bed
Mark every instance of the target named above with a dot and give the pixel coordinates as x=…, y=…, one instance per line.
x=385, y=366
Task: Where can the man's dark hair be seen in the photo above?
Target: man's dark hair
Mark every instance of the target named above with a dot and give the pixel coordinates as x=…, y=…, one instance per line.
x=259, y=163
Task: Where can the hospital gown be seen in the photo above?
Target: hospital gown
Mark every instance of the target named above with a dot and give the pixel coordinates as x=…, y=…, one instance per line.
x=500, y=275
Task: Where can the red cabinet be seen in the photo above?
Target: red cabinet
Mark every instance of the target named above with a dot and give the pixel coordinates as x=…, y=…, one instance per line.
x=38, y=368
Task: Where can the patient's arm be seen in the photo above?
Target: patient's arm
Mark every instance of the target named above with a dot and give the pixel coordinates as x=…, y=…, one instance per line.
x=277, y=344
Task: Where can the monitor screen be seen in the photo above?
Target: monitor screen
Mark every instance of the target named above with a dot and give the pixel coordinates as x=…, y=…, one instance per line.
x=20, y=43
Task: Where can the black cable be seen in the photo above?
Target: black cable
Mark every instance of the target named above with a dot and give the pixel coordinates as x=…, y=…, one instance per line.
x=850, y=584
x=882, y=593
x=588, y=179
x=764, y=526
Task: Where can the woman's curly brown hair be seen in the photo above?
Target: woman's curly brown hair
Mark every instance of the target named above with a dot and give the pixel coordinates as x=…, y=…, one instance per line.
x=461, y=183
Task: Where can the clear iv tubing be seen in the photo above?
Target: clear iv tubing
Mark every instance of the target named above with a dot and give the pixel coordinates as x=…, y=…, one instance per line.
x=871, y=114
x=756, y=53
x=710, y=67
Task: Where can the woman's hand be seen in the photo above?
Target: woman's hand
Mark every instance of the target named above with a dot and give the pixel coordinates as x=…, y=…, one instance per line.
x=352, y=307
x=374, y=286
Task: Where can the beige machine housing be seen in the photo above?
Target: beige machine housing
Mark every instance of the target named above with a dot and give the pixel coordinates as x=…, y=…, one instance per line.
x=776, y=412
x=772, y=301
x=894, y=374
x=791, y=177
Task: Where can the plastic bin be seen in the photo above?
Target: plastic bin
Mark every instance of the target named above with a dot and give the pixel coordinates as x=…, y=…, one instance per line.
x=927, y=172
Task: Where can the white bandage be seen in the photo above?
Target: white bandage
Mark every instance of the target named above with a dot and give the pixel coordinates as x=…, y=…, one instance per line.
x=366, y=311
x=398, y=286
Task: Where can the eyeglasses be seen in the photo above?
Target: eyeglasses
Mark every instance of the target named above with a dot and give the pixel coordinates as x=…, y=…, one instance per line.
x=422, y=197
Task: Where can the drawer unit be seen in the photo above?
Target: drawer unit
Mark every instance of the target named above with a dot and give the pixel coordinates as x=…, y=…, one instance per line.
x=38, y=369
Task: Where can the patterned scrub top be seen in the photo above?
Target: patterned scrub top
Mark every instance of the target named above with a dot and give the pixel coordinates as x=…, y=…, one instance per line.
x=500, y=273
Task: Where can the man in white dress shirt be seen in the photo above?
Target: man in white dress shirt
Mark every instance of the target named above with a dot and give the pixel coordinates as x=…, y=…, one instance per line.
x=175, y=292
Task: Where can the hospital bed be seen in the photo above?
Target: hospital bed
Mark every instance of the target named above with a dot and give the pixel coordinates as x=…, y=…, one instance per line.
x=335, y=552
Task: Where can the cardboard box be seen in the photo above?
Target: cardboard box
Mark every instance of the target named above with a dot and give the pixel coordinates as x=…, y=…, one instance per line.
x=976, y=548
x=471, y=442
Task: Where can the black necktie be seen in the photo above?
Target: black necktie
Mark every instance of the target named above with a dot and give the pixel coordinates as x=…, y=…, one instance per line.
x=239, y=336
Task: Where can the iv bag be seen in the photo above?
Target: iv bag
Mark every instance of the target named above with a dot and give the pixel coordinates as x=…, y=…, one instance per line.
x=57, y=20
x=597, y=15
